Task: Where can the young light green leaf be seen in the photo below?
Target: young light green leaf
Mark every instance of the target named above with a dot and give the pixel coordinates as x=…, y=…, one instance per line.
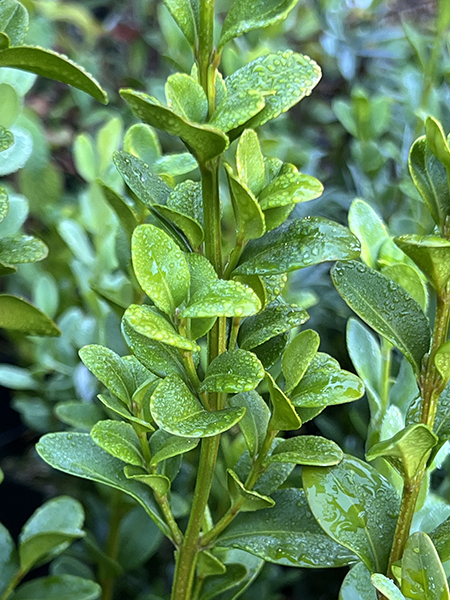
x=109, y=369
x=53, y=65
x=277, y=318
x=284, y=416
x=246, y=15
x=6, y=139
x=291, y=76
x=141, y=140
x=250, y=161
x=437, y=141
x=202, y=273
x=289, y=187
x=423, y=576
x=251, y=500
x=386, y=587
x=160, y=267
x=178, y=411
x=247, y=213
x=307, y=450
x=386, y=307
x=159, y=483
x=408, y=277
x=58, y=587
x=237, y=108
x=13, y=21
x=357, y=584
x=297, y=244
x=407, y=451
x=232, y=372
x=205, y=141
x=223, y=298
x=9, y=562
x=442, y=361
x=184, y=13
x=127, y=216
x=146, y=321
x=286, y=534
x=364, y=222
x=325, y=383
x=77, y=454
x=356, y=506
x=171, y=445
x=186, y=97
x=18, y=315
x=298, y=356
x=120, y=440
x=16, y=249
x=255, y=420
x=54, y=525
x=431, y=254
x=209, y=565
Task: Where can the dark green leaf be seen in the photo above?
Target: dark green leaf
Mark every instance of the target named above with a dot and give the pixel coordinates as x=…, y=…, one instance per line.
x=250, y=162
x=19, y=315
x=206, y=141
x=219, y=585
x=171, y=445
x=289, y=187
x=58, y=587
x=431, y=254
x=298, y=244
x=13, y=21
x=53, y=65
x=356, y=506
x=297, y=357
x=232, y=372
x=270, y=352
x=423, y=576
x=159, y=483
x=247, y=212
x=178, y=411
x=223, y=298
x=284, y=416
x=109, y=368
x=307, y=450
x=139, y=539
x=186, y=97
x=271, y=479
x=251, y=500
x=386, y=307
x=80, y=415
x=441, y=540
x=255, y=420
x=22, y=249
x=9, y=562
x=120, y=440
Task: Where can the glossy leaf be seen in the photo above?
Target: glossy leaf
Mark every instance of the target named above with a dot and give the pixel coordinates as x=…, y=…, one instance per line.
x=6, y=139
x=222, y=298
x=386, y=587
x=154, y=326
x=238, y=106
x=224, y=586
x=431, y=254
x=297, y=357
x=57, y=522
x=4, y=204
x=250, y=162
x=298, y=244
x=440, y=536
x=409, y=278
x=13, y=21
x=77, y=454
x=386, y=307
x=119, y=408
x=437, y=141
x=120, y=440
x=58, y=587
x=53, y=65
x=357, y=584
x=325, y=383
x=184, y=208
x=291, y=76
x=186, y=97
x=307, y=450
x=178, y=411
x=22, y=249
x=273, y=477
x=423, y=576
x=208, y=565
x=255, y=420
x=289, y=187
x=127, y=216
x=184, y=13
x=407, y=451
x=232, y=372
x=442, y=361
x=160, y=267
x=202, y=274
x=108, y=368
x=270, y=352
x=18, y=315
x=159, y=483
x=207, y=142
x=286, y=534
x=277, y=318
x=251, y=500
x=364, y=222
x=356, y=506
x=9, y=562
x=247, y=213
x=284, y=416
x=171, y=445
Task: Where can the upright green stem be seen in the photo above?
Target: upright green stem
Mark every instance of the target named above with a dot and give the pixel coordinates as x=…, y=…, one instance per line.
x=112, y=546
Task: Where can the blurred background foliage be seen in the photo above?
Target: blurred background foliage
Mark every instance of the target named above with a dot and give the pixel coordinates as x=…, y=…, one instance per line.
x=385, y=68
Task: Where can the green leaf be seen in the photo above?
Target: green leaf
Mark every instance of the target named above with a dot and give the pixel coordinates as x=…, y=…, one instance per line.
x=22, y=249
x=186, y=97
x=139, y=539
x=9, y=563
x=202, y=273
x=286, y=534
x=246, y=15
x=277, y=318
x=356, y=506
x=387, y=587
x=141, y=140
x=247, y=212
x=58, y=587
x=171, y=446
x=307, y=450
x=251, y=500
x=146, y=321
x=81, y=415
x=386, y=307
x=407, y=451
x=4, y=204
x=284, y=416
x=77, y=454
x=431, y=254
x=205, y=141
x=237, y=108
x=288, y=188
x=364, y=222
x=223, y=298
x=224, y=586
x=119, y=408
x=250, y=162
x=53, y=65
x=440, y=536
x=13, y=21
x=6, y=139
x=109, y=369
x=160, y=267
x=233, y=371
x=18, y=315
x=357, y=584
x=255, y=420
x=4, y=41
x=159, y=483
x=55, y=524
x=437, y=141
x=296, y=245
x=184, y=13
x=11, y=105
x=297, y=357
x=127, y=216
x=408, y=278
x=178, y=411
x=423, y=576
x=325, y=384
x=120, y=440
x=270, y=352
x=442, y=361
x=287, y=76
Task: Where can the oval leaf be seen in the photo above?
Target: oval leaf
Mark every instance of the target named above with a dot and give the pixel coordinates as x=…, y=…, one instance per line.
x=233, y=371
x=307, y=450
x=18, y=315
x=120, y=440
x=58, y=587
x=221, y=298
x=431, y=254
x=423, y=576
x=297, y=356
